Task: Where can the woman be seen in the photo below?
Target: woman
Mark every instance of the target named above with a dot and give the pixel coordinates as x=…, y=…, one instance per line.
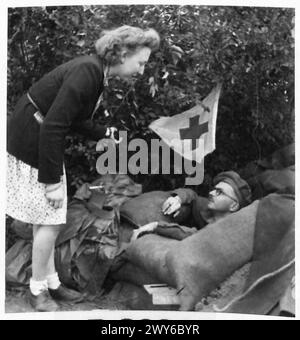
x=64, y=99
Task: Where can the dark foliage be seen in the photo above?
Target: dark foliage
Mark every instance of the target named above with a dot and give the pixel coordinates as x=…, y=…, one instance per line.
x=251, y=50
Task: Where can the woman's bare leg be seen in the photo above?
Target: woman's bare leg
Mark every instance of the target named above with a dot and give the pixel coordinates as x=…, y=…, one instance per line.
x=43, y=250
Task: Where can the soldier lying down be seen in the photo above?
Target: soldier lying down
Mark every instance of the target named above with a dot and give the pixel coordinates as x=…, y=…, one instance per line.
x=229, y=194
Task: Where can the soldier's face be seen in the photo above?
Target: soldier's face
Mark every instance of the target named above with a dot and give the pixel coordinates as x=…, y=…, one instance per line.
x=222, y=198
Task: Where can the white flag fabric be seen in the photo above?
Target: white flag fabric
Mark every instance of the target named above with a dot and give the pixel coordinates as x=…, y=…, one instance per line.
x=191, y=134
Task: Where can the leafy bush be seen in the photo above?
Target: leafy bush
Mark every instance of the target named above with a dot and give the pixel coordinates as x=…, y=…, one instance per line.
x=251, y=50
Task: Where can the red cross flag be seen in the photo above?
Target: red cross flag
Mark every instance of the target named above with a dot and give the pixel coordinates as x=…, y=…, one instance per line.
x=191, y=133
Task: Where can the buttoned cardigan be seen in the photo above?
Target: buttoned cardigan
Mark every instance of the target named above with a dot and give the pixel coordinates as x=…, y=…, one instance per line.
x=66, y=97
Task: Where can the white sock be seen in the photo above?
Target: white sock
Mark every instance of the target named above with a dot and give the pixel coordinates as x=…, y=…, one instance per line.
x=37, y=287
x=53, y=281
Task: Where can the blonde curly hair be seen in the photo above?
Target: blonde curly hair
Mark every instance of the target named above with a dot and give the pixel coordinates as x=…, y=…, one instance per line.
x=112, y=43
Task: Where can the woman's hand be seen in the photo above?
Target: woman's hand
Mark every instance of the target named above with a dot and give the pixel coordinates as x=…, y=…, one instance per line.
x=55, y=195
x=172, y=206
x=146, y=228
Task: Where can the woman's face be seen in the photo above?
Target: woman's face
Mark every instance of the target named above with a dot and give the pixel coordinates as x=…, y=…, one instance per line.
x=132, y=64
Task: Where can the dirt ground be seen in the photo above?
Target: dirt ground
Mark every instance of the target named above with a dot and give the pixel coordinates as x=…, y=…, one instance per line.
x=228, y=290
x=16, y=300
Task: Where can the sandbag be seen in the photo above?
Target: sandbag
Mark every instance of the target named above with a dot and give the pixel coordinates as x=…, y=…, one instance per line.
x=134, y=274
x=147, y=208
x=272, y=266
x=129, y=296
x=273, y=181
x=129, y=265
x=199, y=263
x=149, y=253
x=278, y=160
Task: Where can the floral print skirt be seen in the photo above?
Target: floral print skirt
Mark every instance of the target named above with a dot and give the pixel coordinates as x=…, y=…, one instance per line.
x=26, y=199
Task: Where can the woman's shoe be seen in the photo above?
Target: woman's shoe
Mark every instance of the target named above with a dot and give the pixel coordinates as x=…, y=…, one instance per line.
x=63, y=293
x=43, y=302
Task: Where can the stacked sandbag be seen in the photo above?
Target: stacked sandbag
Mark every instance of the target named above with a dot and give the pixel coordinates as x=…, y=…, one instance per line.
x=202, y=261
x=280, y=159
x=273, y=181
x=273, y=174
x=199, y=263
x=273, y=263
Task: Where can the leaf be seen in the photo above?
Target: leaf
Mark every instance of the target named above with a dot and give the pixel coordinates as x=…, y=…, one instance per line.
x=80, y=43
x=165, y=76
x=177, y=50
x=153, y=89
x=151, y=80
x=59, y=24
x=176, y=57
x=152, y=115
x=91, y=144
x=133, y=116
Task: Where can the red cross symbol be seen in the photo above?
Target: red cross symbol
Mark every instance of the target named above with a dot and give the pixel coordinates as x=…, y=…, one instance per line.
x=194, y=131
